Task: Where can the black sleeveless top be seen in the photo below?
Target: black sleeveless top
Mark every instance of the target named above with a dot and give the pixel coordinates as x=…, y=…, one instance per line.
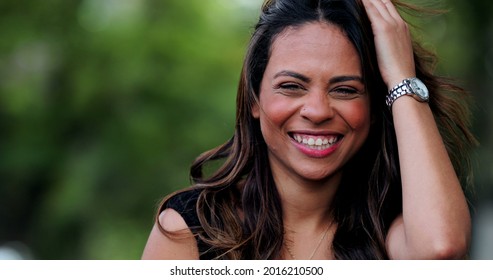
x=185, y=204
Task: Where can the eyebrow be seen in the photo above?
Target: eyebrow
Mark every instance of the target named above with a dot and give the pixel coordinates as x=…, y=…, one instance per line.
x=340, y=79
x=334, y=80
x=293, y=74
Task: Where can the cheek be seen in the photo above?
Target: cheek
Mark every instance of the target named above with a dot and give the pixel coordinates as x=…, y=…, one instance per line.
x=358, y=116
x=275, y=110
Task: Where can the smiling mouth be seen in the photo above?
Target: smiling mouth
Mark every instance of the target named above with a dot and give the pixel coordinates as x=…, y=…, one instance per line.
x=320, y=142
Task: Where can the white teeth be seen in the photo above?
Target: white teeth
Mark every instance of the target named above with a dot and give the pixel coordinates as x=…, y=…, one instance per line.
x=318, y=143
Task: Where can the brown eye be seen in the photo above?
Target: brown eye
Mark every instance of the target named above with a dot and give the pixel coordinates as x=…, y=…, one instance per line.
x=290, y=89
x=345, y=93
x=345, y=90
x=290, y=86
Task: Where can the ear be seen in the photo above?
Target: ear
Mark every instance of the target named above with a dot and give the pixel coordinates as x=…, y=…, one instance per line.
x=255, y=110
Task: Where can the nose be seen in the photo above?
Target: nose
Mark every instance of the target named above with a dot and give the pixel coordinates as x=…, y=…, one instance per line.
x=317, y=108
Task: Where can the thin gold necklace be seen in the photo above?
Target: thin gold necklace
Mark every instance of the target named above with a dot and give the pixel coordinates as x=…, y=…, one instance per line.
x=316, y=248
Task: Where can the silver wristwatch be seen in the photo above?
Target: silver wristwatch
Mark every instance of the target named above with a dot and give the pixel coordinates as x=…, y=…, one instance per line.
x=411, y=86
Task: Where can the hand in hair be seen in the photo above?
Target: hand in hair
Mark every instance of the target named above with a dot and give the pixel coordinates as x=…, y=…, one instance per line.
x=435, y=221
x=392, y=42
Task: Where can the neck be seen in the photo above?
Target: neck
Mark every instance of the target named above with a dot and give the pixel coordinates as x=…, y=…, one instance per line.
x=307, y=203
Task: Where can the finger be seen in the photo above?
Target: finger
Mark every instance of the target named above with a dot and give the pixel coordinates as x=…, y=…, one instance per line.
x=377, y=11
x=385, y=8
x=392, y=10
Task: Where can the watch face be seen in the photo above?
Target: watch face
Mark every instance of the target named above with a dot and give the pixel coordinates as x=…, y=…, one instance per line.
x=419, y=89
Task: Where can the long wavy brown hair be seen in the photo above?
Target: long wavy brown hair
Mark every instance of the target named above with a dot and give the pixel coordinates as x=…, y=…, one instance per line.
x=369, y=197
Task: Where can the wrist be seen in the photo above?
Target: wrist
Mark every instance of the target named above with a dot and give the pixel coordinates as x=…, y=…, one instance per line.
x=407, y=106
x=397, y=79
x=411, y=87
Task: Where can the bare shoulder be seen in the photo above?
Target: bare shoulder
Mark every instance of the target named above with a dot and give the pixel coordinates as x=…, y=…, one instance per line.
x=172, y=220
x=183, y=246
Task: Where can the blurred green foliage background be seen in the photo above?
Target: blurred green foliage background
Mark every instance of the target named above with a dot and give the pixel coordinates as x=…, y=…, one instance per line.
x=105, y=103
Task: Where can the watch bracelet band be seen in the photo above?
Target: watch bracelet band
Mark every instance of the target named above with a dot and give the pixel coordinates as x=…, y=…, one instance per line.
x=399, y=90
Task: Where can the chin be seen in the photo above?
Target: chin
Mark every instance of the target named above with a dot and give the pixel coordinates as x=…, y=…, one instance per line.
x=319, y=176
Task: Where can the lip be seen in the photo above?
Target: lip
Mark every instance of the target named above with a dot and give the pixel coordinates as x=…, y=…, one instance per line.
x=315, y=153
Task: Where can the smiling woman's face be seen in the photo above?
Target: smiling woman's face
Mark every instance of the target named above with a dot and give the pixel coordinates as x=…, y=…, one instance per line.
x=313, y=108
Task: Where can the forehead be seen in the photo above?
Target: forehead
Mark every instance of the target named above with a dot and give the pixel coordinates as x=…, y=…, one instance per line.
x=318, y=27
x=314, y=42
x=318, y=34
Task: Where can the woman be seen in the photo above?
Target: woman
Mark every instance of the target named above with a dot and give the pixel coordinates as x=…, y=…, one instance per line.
x=336, y=154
